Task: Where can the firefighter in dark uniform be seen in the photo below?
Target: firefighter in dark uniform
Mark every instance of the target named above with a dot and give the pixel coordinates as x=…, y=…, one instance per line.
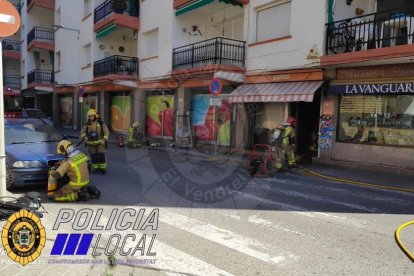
x=96, y=133
x=135, y=136
x=72, y=175
x=287, y=143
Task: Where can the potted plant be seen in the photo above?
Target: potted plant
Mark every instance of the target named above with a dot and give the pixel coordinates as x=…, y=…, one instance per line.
x=119, y=6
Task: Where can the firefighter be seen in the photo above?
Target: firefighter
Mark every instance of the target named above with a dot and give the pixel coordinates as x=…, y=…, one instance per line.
x=96, y=133
x=72, y=175
x=135, y=136
x=286, y=143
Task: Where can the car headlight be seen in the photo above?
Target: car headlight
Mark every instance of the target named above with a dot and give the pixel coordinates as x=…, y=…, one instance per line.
x=27, y=164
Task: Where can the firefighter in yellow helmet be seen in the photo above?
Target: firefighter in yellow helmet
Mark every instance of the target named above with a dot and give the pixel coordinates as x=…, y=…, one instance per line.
x=96, y=133
x=135, y=136
x=72, y=175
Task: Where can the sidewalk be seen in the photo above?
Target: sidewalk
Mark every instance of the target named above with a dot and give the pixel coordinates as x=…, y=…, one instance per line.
x=392, y=179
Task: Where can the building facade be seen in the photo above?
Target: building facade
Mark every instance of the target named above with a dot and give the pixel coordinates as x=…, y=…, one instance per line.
x=369, y=105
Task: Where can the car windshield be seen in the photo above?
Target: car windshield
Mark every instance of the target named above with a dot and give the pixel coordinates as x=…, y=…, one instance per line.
x=38, y=114
x=30, y=133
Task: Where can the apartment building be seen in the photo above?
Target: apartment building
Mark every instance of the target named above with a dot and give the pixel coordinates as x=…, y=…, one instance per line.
x=12, y=59
x=369, y=105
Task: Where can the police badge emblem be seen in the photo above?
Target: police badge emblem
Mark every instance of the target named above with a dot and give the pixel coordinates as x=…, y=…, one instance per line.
x=23, y=237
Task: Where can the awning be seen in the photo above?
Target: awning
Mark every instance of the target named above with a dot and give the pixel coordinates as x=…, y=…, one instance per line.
x=200, y=3
x=105, y=31
x=275, y=92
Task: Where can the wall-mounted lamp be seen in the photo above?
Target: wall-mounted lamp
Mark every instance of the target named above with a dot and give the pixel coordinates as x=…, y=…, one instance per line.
x=61, y=27
x=349, y=2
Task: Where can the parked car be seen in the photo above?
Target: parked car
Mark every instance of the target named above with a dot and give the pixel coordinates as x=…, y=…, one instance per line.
x=35, y=113
x=30, y=151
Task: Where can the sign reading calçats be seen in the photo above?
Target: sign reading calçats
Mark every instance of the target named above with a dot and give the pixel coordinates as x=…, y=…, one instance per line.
x=373, y=89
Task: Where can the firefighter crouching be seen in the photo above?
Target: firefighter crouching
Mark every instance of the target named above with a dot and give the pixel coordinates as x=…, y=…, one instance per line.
x=135, y=136
x=96, y=133
x=71, y=177
x=286, y=143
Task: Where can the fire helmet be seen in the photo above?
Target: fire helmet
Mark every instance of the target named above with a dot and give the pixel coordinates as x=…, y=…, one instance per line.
x=91, y=112
x=291, y=121
x=135, y=124
x=65, y=147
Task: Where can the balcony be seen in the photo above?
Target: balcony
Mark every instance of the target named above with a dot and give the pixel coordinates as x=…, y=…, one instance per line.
x=12, y=81
x=377, y=35
x=116, y=65
x=46, y=4
x=39, y=76
x=124, y=13
x=41, y=38
x=11, y=48
x=216, y=51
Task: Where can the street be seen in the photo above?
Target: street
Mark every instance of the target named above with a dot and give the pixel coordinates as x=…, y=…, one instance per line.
x=214, y=219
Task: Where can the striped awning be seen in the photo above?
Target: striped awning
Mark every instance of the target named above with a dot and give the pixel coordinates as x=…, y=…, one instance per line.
x=200, y=3
x=275, y=92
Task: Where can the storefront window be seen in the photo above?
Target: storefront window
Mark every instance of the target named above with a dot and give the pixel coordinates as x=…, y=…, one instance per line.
x=65, y=111
x=210, y=119
x=89, y=101
x=382, y=120
x=120, y=111
x=159, y=119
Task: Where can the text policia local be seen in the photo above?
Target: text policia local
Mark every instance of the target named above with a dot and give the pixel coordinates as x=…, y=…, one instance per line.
x=120, y=220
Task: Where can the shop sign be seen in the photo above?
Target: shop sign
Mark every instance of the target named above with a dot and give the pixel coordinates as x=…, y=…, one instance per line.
x=328, y=107
x=216, y=101
x=384, y=88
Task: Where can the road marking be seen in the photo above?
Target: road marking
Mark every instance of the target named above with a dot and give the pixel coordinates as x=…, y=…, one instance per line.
x=306, y=212
x=227, y=238
x=321, y=199
x=169, y=260
x=255, y=219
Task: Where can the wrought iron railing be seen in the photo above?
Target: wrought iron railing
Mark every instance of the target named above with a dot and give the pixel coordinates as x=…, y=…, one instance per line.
x=12, y=80
x=41, y=34
x=213, y=51
x=40, y=76
x=128, y=7
x=11, y=45
x=118, y=65
x=371, y=31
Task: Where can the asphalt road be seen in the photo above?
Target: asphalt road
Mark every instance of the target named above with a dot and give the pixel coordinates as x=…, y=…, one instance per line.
x=214, y=219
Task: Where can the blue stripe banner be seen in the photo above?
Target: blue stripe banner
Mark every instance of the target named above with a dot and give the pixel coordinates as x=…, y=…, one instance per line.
x=69, y=243
x=84, y=244
x=59, y=244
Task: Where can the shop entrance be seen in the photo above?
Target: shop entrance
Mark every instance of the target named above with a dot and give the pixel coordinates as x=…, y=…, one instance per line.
x=307, y=116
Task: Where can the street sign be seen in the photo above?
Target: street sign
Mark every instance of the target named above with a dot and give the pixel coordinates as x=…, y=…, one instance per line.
x=215, y=101
x=81, y=99
x=215, y=86
x=9, y=19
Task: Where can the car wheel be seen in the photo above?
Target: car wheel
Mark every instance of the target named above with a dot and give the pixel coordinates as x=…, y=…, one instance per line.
x=9, y=180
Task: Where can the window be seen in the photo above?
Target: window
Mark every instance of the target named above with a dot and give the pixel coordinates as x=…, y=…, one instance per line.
x=87, y=54
x=383, y=120
x=58, y=62
x=273, y=22
x=151, y=43
x=87, y=8
x=159, y=120
x=58, y=16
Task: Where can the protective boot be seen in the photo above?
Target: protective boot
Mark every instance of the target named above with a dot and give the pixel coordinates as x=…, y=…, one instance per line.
x=83, y=194
x=93, y=192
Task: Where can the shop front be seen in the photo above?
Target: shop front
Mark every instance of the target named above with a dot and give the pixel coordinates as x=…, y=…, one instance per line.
x=373, y=120
x=265, y=102
x=64, y=107
x=160, y=106
x=210, y=116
